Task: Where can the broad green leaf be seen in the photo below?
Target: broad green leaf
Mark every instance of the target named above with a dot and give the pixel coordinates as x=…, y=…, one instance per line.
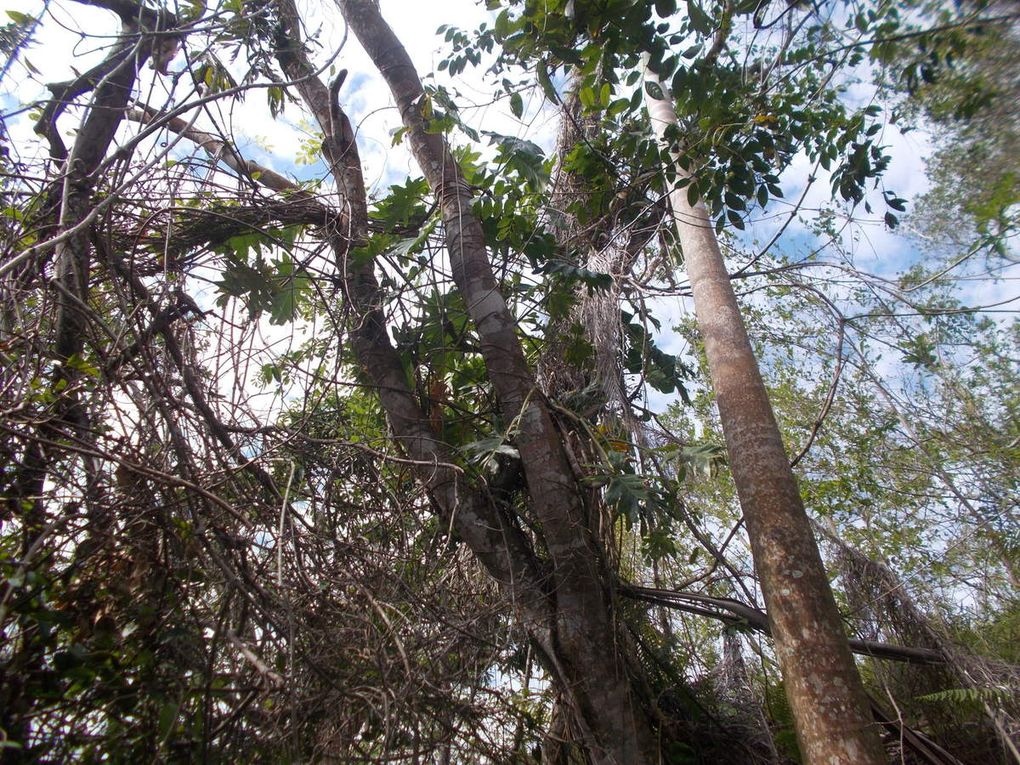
x=517, y=105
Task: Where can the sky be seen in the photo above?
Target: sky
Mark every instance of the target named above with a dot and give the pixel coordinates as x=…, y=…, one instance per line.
x=60, y=48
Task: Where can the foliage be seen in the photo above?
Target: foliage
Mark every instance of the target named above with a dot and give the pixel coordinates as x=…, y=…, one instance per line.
x=218, y=545
x=962, y=81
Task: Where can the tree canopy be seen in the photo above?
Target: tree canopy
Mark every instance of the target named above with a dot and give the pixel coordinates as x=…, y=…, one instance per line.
x=602, y=387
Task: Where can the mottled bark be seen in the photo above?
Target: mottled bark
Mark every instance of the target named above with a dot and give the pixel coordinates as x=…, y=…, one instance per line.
x=604, y=232
x=556, y=375
x=830, y=709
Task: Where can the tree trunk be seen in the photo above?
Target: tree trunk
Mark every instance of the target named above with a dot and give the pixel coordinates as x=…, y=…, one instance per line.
x=572, y=623
x=830, y=708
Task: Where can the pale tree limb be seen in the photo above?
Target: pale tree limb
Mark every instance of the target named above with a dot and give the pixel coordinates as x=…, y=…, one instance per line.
x=494, y=538
x=830, y=708
x=593, y=670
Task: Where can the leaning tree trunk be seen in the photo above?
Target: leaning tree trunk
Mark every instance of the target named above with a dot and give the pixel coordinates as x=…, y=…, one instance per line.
x=830, y=708
x=568, y=613
x=587, y=662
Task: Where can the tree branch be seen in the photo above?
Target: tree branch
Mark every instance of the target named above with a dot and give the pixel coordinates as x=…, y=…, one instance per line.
x=735, y=613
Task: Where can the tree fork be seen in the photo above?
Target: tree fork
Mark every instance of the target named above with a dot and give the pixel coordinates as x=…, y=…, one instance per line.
x=592, y=671
x=830, y=709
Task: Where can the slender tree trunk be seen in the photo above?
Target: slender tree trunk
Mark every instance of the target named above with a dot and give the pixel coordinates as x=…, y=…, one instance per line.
x=587, y=661
x=572, y=623
x=830, y=708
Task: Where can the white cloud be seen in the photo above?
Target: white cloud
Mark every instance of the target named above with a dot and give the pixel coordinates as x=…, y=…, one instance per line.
x=60, y=48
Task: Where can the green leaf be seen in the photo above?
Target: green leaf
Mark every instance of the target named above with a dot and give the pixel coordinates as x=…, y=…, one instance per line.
x=734, y=201
x=627, y=493
x=194, y=9
x=523, y=157
x=271, y=373
x=704, y=459
x=665, y=8
x=571, y=272
x=403, y=204
x=167, y=718
x=275, y=98
x=971, y=696
x=503, y=25
x=80, y=365
x=484, y=452
x=654, y=90
x=700, y=21
x=517, y=105
x=542, y=72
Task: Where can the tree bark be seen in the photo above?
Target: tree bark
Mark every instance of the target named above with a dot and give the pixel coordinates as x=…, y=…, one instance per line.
x=830, y=708
x=583, y=653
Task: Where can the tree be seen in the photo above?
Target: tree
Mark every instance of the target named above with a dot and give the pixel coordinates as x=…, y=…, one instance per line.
x=824, y=690
x=200, y=574
x=960, y=81
x=881, y=507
